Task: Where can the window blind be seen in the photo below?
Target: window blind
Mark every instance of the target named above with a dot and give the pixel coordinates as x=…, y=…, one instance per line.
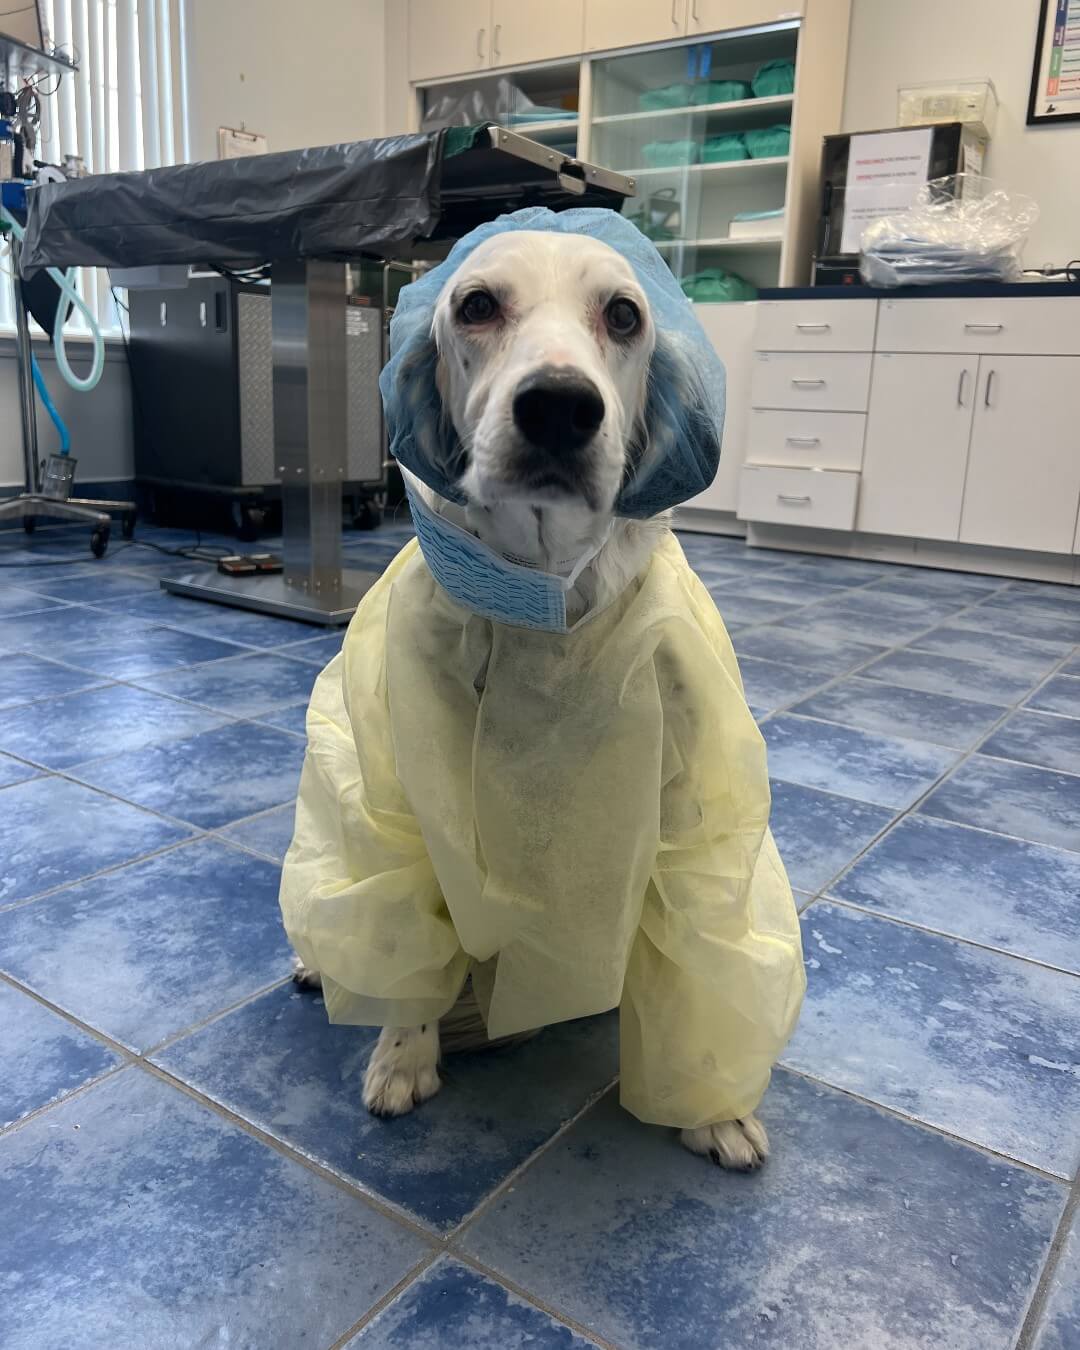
x=123, y=109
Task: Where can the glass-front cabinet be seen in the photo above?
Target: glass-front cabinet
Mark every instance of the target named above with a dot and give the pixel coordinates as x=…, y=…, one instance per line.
x=721, y=130
x=704, y=129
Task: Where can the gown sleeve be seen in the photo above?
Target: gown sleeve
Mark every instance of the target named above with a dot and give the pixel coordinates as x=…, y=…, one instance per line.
x=715, y=978
x=359, y=896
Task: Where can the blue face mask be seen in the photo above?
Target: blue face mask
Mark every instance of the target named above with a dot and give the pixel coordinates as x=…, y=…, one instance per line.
x=491, y=585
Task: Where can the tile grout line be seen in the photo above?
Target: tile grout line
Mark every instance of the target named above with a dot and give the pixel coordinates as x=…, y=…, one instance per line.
x=938, y=782
x=520, y=1291
x=510, y=1180
x=1036, y=1310
x=371, y=1198
x=927, y=1126
x=901, y=922
x=406, y=1282
x=12, y=905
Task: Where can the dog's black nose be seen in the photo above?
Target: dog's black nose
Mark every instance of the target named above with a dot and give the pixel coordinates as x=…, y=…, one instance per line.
x=558, y=410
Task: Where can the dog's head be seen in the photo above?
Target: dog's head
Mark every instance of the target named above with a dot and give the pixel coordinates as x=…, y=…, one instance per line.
x=544, y=345
x=552, y=367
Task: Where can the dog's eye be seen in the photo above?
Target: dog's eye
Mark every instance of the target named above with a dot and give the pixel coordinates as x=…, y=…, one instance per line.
x=478, y=307
x=623, y=317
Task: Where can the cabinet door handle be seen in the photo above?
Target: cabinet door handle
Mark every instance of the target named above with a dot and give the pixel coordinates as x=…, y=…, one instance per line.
x=789, y=499
x=989, y=387
x=495, y=40
x=809, y=384
x=674, y=13
x=984, y=327
x=814, y=327
x=480, y=43
x=961, y=387
x=808, y=441
x=694, y=13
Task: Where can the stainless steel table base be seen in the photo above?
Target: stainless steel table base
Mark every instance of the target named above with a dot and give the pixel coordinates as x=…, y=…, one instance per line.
x=307, y=306
x=275, y=595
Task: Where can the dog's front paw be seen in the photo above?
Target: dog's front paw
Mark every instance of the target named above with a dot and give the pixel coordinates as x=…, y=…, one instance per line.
x=741, y=1145
x=402, y=1071
x=305, y=976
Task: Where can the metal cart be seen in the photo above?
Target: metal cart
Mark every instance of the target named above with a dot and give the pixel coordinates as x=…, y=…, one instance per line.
x=306, y=212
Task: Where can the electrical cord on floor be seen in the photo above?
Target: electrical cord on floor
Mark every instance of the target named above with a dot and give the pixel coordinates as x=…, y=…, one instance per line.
x=197, y=552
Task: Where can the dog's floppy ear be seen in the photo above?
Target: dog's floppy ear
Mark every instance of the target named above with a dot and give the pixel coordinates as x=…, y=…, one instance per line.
x=420, y=432
x=676, y=448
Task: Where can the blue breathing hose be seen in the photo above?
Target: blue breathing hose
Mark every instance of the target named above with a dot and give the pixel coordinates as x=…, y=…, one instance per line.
x=50, y=407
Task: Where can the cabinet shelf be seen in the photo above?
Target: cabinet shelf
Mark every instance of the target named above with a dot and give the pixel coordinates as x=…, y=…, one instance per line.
x=546, y=130
x=735, y=168
x=724, y=242
x=717, y=114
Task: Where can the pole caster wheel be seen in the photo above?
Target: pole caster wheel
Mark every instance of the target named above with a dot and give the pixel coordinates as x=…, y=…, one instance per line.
x=127, y=525
x=99, y=541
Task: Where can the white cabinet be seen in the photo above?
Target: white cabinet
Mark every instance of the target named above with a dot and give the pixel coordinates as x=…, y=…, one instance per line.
x=833, y=381
x=525, y=32
x=610, y=24
x=730, y=328
x=812, y=440
x=716, y=16
x=1023, y=478
x=472, y=35
x=821, y=498
x=917, y=439
x=816, y=325
x=448, y=39
x=1016, y=326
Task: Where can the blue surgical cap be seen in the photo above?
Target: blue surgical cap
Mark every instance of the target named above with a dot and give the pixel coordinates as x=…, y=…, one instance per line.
x=684, y=417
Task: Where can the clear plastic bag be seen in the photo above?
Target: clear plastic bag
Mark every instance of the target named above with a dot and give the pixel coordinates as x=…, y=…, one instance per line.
x=960, y=228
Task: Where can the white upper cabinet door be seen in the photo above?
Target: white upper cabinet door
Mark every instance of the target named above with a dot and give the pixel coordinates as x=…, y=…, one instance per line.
x=524, y=32
x=916, y=450
x=717, y=16
x=448, y=39
x=1023, y=480
x=610, y=24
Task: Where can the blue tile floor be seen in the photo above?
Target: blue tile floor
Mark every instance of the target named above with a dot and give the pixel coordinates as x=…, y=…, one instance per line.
x=184, y=1159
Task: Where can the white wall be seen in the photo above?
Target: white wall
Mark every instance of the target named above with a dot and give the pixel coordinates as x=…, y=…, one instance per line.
x=900, y=42
x=301, y=74
x=100, y=422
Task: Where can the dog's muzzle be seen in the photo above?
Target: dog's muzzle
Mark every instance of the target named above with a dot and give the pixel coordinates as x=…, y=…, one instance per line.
x=558, y=413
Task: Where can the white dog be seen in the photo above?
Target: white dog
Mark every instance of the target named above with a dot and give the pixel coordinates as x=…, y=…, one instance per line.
x=544, y=342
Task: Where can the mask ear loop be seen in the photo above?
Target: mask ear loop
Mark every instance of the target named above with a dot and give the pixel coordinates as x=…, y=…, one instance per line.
x=568, y=583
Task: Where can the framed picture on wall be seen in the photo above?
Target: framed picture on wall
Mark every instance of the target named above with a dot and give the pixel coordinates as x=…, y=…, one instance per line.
x=1055, y=79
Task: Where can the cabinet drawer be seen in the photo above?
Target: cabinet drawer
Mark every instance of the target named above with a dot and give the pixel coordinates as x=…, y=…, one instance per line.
x=806, y=440
x=817, y=497
x=831, y=381
x=1017, y=327
x=815, y=325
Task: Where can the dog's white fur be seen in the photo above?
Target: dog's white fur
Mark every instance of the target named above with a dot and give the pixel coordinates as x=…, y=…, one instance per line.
x=553, y=291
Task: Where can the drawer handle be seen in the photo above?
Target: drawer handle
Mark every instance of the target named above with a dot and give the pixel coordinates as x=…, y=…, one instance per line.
x=814, y=327
x=809, y=384
x=803, y=440
x=984, y=327
x=789, y=499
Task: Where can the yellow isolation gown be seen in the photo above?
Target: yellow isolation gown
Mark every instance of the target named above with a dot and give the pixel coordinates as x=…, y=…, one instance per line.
x=578, y=820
